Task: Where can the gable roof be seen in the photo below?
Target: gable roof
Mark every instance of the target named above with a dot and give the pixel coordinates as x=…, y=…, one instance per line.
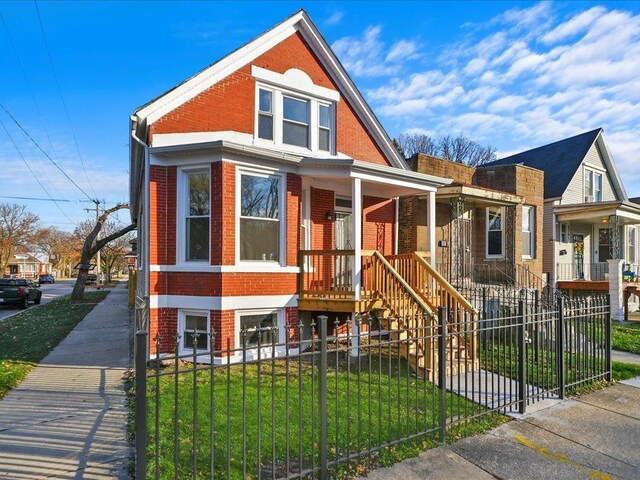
x=559, y=160
x=298, y=22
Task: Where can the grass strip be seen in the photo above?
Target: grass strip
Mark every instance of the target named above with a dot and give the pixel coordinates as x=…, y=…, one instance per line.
x=626, y=337
x=26, y=338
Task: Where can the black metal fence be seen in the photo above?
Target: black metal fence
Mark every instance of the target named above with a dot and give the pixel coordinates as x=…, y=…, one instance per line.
x=336, y=405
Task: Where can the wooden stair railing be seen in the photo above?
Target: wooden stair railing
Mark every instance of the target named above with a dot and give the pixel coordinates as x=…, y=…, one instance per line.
x=436, y=291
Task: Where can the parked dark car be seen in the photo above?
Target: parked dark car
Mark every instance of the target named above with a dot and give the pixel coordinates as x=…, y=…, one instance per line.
x=91, y=278
x=46, y=278
x=19, y=291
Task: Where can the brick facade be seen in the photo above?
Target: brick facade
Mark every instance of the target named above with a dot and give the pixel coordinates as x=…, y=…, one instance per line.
x=233, y=100
x=229, y=105
x=514, y=179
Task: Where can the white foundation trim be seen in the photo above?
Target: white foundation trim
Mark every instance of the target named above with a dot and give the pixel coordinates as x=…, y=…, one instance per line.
x=195, y=268
x=223, y=303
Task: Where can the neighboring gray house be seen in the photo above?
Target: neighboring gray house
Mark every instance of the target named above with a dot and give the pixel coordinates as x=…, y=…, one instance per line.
x=588, y=218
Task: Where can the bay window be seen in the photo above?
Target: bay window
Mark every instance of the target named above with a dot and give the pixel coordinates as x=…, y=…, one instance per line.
x=260, y=217
x=495, y=230
x=197, y=206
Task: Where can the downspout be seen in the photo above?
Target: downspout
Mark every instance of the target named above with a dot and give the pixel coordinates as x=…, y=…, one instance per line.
x=146, y=223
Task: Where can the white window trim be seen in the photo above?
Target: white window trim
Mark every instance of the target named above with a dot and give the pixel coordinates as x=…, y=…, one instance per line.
x=532, y=230
x=181, y=216
x=592, y=173
x=182, y=317
x=560, y=225
x=278, y=118
x=486, y=233
x=282, y=210
x=265, y=352
x=634, y=245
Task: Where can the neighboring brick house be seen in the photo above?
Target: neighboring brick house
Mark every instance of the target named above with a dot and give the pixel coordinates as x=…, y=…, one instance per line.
x=588, y=218
x=270, y=152
x=27, y=265
x=489, y=222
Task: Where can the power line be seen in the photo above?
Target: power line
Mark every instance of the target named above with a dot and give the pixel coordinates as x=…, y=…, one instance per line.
x=31, y=171
x=64, y=105
x=34, y=198
x=45, y=153
x=33, y=97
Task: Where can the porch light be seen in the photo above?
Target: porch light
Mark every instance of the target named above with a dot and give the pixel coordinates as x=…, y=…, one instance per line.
x=328, y=215
x=605, y=220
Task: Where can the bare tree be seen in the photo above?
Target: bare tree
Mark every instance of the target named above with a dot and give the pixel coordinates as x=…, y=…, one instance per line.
x=459, y=149
x=411, y=143
x=17, y=227
x=91, y=245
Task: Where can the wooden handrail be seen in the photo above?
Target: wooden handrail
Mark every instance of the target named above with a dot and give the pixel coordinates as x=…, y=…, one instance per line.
x=440, y=279
x=392, y=271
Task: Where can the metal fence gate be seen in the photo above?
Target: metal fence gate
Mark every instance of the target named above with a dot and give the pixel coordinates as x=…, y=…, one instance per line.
x=333, y=405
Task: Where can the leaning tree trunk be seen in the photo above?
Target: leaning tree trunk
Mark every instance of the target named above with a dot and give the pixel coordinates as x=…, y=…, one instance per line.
x=89, y=249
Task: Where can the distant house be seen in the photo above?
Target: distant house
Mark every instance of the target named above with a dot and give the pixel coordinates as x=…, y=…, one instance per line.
x=27, y=265
x=588, y=218
x=488, y=223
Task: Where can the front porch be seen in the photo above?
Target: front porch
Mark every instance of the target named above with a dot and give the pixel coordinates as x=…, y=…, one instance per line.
x=588, y=236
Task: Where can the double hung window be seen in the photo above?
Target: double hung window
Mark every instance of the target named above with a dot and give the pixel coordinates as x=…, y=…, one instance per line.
x=198, y=185
x=528, y=231
x=495, y=237
x=631, y=245
x=295, y=124
x=194, y=331
x=592, y=186
x=260, y=217
x=265, y=114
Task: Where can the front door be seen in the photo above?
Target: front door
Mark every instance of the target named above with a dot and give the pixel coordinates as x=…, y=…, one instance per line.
x=578, y=252
x=605, y=249
x=343, y=240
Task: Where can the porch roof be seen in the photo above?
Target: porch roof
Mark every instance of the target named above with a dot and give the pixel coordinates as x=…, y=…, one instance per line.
x=627, y=212
x=395, y=182
x=480, y=196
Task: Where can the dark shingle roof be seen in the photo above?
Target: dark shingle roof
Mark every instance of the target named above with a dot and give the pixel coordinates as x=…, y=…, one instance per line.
x=559, y=160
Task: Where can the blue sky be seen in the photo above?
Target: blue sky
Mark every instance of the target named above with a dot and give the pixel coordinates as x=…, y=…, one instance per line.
x=514, y=75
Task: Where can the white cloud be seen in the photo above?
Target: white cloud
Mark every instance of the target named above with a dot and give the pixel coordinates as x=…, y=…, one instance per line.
x=335, y=18
x=575, y=25
x=368, y=56
x=527, y=78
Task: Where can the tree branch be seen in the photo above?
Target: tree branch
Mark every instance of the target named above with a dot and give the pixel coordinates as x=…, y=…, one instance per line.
x=101, y=243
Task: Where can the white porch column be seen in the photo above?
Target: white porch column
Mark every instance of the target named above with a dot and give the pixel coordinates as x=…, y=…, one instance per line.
x=432, y=227
x=615, y=289
x=356, y=195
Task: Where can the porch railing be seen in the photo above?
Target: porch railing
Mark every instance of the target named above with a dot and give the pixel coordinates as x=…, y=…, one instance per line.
x=582, y=271
x=326, y=273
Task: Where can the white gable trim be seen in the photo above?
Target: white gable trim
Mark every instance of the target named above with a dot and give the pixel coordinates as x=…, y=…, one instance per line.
x=300, y=22
x=296, y=80
x=607, y=158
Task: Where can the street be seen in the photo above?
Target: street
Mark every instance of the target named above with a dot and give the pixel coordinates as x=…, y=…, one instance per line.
x=49, y=292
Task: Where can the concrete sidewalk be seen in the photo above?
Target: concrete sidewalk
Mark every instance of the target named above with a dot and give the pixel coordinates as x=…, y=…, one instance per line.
x=68, y=418
x=594, y=436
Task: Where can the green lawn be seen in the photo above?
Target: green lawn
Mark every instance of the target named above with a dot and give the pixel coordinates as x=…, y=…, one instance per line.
x=28, y=337
x=386, y=404
x=626, y=337
x=624, y=371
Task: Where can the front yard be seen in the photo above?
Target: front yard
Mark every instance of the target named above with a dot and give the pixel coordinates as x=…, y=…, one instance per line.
x=28, y=337
x=268, y=416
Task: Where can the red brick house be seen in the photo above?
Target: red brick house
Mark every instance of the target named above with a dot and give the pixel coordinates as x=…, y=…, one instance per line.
x=265, y=189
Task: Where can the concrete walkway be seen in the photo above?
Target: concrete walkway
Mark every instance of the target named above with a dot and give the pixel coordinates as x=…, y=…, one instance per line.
x=594, y=436
x=68, y=418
